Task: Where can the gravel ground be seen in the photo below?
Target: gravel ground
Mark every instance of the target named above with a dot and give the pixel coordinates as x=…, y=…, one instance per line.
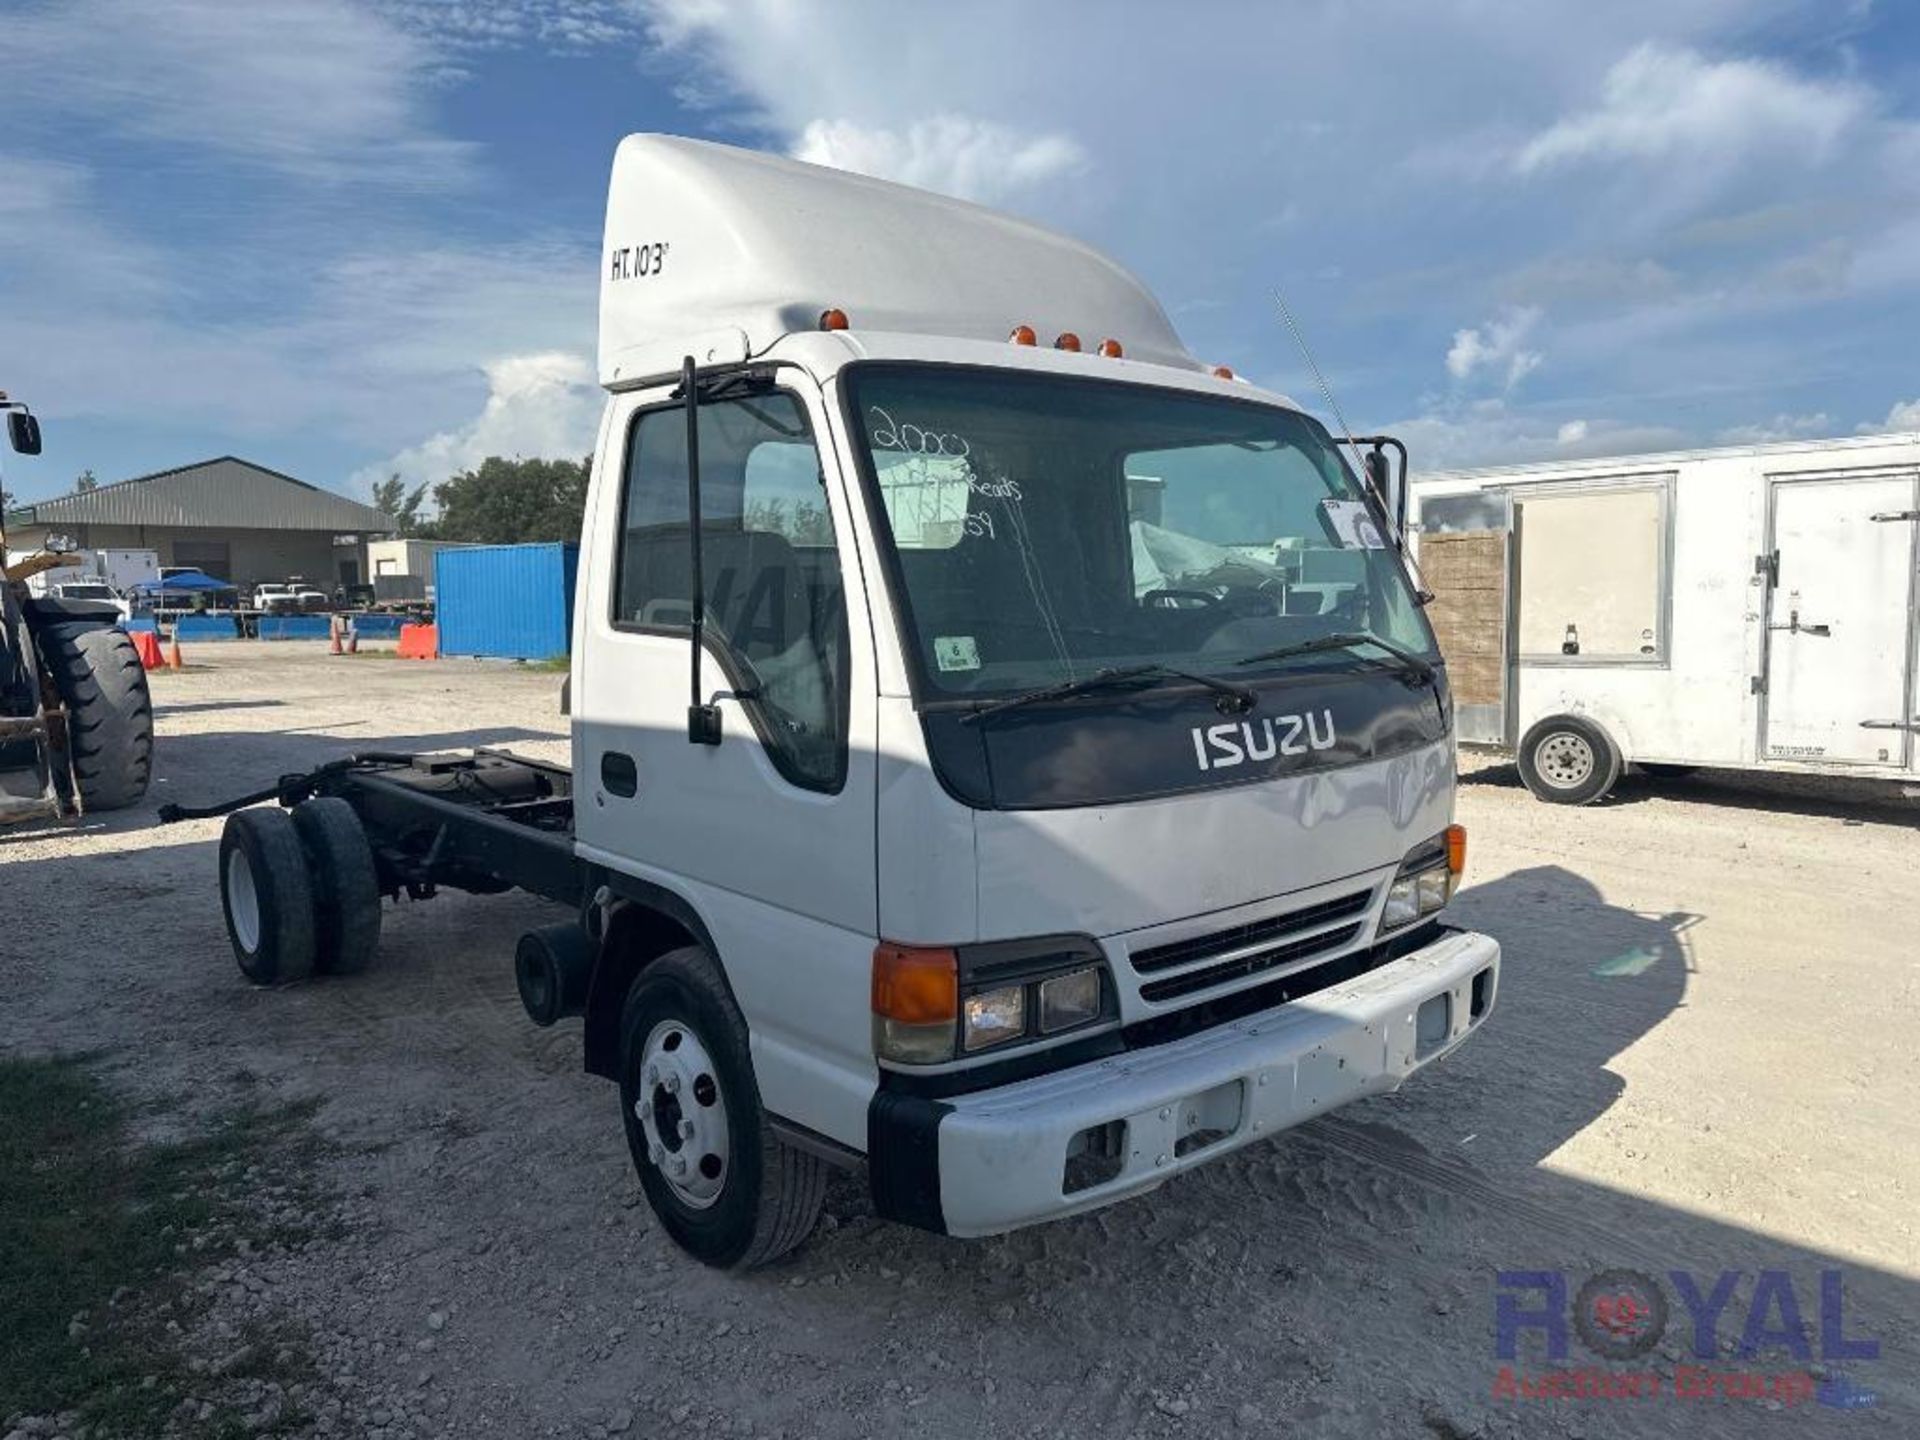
x=1702, y=1061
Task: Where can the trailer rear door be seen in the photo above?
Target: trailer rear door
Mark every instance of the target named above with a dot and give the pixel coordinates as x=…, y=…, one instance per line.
x=1839, y=682
x=1465, y=552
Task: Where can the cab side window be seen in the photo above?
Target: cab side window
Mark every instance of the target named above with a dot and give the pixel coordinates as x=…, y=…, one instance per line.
x=774, y=599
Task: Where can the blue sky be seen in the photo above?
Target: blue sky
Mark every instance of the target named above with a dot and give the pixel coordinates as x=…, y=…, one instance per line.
x=347, y=237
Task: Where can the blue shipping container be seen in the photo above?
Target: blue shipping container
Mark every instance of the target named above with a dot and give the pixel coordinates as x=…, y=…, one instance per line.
x=509, y=601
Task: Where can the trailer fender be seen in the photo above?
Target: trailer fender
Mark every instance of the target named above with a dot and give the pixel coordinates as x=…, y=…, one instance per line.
x=637, y=924
x=1551, y=704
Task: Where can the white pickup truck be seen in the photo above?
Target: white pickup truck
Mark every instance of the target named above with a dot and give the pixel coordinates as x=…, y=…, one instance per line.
x=1008, y=753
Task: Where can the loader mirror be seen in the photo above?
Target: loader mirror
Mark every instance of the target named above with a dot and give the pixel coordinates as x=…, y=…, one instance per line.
x=24, y=431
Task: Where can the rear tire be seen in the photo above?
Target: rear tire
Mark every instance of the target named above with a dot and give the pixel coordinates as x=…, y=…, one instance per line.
x=109, y=711
x=1566, y=760
x=723, y=1187
x=267, y=895
x=346, y=888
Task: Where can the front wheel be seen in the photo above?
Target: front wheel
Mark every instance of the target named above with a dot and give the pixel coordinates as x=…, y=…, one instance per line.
x=1569, y=761
x=724, y=1188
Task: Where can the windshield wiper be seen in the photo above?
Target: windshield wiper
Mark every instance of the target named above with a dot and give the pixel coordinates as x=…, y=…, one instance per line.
x=1415, y=668
x=1242, y=697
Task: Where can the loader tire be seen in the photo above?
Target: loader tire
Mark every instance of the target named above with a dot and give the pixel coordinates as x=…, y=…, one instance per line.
x=109, y=712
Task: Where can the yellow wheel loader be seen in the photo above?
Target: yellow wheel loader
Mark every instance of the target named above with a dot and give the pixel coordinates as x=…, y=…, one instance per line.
x=76, y=722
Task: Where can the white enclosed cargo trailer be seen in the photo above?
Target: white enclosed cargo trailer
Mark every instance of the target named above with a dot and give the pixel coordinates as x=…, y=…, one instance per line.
x=1016, y=765
x=1748, y=607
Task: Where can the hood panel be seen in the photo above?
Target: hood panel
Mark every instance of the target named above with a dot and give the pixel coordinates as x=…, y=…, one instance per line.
x=1108, y=868
x=1107, y=749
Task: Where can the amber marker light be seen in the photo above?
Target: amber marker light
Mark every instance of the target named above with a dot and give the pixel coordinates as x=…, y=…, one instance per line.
x=916, y=1003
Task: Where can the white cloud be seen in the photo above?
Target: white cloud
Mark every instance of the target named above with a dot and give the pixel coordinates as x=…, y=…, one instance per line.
x=1904, y=416
x=1671, y=104
x=1496, y=347
x=870, y=88
x=1780, y=427
x=954, y=154
x=544, y=405
x=558, y=26
x=319, y=89
x=1489, y=432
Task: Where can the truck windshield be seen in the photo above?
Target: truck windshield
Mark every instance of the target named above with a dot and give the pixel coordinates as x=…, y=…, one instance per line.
x=1048, y=528
x=85, y=591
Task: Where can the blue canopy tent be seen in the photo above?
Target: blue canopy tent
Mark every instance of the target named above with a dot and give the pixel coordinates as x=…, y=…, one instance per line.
x=186, y=582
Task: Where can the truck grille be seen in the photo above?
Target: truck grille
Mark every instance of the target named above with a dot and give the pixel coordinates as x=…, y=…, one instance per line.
x=1252, y=949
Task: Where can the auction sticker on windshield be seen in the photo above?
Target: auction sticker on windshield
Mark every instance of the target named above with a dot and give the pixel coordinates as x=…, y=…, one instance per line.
x=956, y=652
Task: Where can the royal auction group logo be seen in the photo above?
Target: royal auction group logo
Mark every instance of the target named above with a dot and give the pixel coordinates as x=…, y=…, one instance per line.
x=1621, y=1317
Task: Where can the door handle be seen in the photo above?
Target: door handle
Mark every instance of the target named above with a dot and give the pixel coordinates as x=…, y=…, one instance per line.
x=1913, y=725
x=1794, y=627
x=619, y=774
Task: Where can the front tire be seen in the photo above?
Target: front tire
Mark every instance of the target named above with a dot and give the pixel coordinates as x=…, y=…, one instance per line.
x=1566, y=760
x=103, y=686
x=723, y=1187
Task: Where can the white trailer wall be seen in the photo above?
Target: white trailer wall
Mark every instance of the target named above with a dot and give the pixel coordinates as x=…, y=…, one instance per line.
x=1659, y=563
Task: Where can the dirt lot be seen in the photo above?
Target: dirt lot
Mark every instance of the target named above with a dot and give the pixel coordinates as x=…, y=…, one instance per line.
x=1702, y=1061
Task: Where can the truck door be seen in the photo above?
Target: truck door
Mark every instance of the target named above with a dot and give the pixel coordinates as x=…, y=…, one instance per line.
x=1839, y=682
x=768, y=834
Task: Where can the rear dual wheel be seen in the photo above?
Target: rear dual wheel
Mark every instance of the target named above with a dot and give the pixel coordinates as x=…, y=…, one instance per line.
x=299, y=891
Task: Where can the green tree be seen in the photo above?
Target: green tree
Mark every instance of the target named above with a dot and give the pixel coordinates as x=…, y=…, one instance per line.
x=392, y=496
x=509, y=502
x=85, y=481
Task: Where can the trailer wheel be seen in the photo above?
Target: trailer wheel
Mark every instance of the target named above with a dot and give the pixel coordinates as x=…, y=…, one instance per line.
x=267, y=896
x=109, y=712
x=1566, y=760
x=725, y=1189
x=346, y=890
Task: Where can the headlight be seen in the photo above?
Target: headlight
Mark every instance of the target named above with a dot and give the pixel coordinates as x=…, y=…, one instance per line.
x=1427, y=879
x=932, y=1005
x=1069, y=1000
x=993, y=1017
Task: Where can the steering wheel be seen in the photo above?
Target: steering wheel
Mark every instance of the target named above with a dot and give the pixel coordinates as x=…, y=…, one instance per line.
x=1170, y=599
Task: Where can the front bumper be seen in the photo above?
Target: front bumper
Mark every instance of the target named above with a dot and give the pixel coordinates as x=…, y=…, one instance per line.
x=993, y=1161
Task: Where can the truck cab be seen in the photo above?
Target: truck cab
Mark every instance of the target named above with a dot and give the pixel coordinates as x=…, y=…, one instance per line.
x=1008, y=750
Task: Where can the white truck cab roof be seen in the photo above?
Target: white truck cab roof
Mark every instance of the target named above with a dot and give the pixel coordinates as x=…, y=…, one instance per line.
x=725, y=253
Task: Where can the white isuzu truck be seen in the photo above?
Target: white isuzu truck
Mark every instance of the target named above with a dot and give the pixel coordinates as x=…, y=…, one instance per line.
x=1008, y=753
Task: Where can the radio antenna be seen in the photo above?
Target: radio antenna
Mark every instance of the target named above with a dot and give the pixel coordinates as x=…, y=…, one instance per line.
x=1326, y=390
x=1421, y=593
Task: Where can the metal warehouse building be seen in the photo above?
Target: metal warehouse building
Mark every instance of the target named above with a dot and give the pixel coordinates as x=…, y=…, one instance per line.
x=229, y=517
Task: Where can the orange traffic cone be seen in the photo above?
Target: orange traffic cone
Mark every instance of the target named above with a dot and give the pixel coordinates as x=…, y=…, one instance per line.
x=174, y=662
x=333, y=637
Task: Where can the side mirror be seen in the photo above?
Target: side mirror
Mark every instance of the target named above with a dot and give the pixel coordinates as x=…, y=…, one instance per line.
x=24, y=431
x=1389, y=488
